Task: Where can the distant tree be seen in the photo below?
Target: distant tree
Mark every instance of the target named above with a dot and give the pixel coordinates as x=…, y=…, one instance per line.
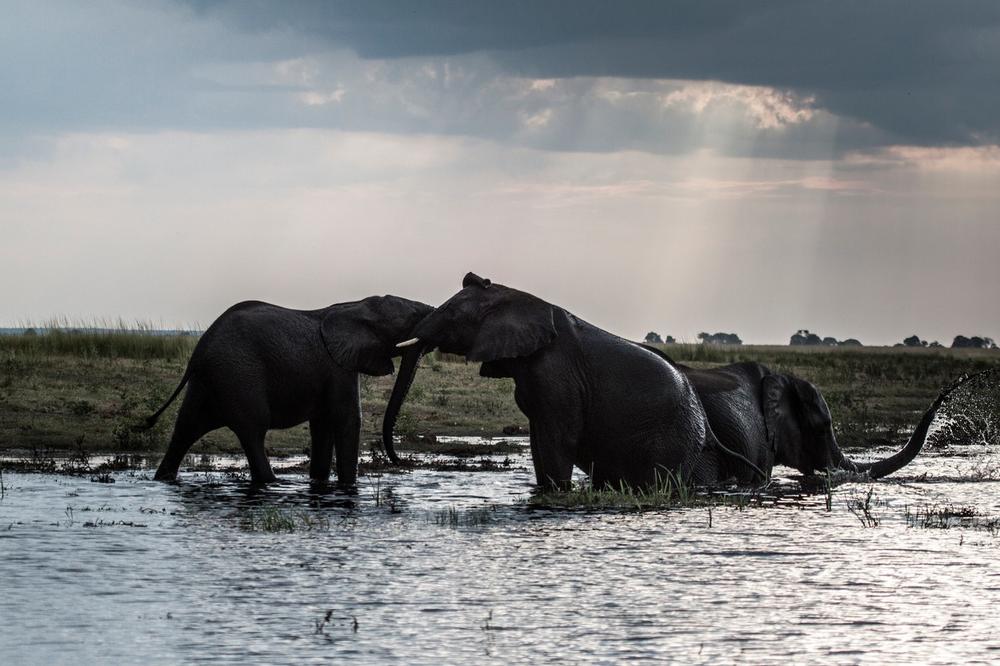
x=914, y=341
x=30, y=332
x=653, y=338
x=719, y=338
x=804, y=337
x=975, y=342
x=670, y=340
x=850, y=342
x=935, y=344
x=830, y=342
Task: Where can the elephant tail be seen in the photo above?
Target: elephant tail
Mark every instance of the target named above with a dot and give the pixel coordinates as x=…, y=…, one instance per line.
x=150, y=421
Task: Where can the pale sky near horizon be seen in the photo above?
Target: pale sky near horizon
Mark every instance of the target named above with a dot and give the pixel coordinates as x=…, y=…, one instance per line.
x=754, y=168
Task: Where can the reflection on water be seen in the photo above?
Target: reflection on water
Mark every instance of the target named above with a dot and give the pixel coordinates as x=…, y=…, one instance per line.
x=432, y=567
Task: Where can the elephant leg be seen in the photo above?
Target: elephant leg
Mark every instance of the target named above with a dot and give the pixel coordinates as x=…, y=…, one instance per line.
x=552, y=451
x=347, y=439
x=252, y=441
x=321, y=454
x=346, y=411
x=193, y=421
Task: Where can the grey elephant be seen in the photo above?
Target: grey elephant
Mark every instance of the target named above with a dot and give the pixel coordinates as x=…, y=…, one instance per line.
x=771, y=418
x=617, y=411
x=261, y=366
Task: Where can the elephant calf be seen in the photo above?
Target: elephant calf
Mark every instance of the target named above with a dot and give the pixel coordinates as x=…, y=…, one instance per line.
x=260, y=366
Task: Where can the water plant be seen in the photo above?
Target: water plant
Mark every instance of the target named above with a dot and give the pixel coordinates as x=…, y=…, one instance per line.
x=280, y=519
x=948, y=516
x=453, y=517
x=863, y=508
x=669, y=491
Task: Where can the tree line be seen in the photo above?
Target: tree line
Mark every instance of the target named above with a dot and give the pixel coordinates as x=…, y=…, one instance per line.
x=804, y=337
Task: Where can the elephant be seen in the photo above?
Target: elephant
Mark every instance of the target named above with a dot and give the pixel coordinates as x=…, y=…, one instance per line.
x=617, y=411
x=772, y=418
x=261, y=366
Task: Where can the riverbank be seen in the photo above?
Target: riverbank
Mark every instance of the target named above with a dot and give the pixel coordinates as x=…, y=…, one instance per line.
x=85, y=392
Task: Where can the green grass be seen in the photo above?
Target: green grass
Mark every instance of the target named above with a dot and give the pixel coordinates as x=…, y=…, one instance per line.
x=100, y=339
x=670, y=492
x=280, y=519
x=66, y=391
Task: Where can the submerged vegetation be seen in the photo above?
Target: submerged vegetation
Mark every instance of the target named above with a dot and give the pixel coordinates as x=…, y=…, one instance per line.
x=73, y=389
x=669, y=492
x=281, y=519
x=944, y=517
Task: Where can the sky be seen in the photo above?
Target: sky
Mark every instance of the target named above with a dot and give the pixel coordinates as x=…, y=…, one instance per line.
x=678, y=167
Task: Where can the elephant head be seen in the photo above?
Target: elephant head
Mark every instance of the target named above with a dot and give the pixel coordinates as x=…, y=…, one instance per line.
x=484, y=322
x=800, y=429
x=361, y=336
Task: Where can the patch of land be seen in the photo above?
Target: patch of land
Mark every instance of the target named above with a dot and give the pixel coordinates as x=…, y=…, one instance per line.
x=85, y=392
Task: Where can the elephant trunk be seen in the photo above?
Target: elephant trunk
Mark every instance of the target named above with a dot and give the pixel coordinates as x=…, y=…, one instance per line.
x=901, y=458
x=404, y=379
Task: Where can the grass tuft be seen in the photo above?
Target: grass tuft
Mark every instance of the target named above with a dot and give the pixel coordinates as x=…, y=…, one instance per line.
x=452, y=517
x=942, y=517
x=280, y=519
x=669, y=492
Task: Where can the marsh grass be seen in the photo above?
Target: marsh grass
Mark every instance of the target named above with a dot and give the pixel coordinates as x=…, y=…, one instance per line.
x=452, y=517
x=942, y=517
x=98, y=384
x=281, y=519
x=864, y=508
x=99, y=339
x=669, y=492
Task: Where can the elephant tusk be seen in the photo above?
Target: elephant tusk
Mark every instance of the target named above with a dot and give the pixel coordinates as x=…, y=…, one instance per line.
x=408, y=343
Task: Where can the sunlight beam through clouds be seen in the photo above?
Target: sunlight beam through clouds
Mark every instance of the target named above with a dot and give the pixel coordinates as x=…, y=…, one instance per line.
x=176, y=226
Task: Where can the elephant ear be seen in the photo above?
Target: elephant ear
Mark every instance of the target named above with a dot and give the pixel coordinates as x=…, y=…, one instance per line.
x=777, y=407
x=814, y=414
x=350, y=333
x=517, y=326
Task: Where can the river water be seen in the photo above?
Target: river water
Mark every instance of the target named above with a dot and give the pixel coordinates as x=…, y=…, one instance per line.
x=435, y=567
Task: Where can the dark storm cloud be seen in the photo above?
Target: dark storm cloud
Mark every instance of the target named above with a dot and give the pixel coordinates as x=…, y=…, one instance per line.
x=923, y=72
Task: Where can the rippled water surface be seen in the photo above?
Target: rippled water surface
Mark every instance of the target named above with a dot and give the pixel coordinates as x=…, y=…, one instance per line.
x=446, y=567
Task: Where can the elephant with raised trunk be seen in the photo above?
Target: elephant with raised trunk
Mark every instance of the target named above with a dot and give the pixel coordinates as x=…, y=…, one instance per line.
x=260, y=366
x=617, y=411
x=772, y=419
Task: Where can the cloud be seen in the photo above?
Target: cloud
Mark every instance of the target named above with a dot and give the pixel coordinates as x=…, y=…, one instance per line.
x=768, y=79
x=921, y=72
